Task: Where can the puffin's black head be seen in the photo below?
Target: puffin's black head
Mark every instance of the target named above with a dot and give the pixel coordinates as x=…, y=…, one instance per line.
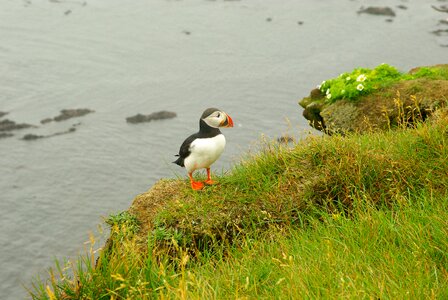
x=215, y=118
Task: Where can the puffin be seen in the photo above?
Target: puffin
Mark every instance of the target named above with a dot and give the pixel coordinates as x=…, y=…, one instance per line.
x=201, y=149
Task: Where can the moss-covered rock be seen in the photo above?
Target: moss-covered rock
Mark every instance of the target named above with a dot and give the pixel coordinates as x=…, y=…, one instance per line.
x=401, y=103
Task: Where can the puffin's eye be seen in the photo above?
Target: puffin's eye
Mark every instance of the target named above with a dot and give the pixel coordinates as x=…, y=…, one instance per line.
x=218, y=115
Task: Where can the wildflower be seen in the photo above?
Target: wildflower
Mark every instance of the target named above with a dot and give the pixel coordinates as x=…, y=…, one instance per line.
x=318, y=86
x=343, y=92
x=328, y=92
x=336, y=216
x=361, y=78
x=348, y=78
x=328, y=96
x=360, y=87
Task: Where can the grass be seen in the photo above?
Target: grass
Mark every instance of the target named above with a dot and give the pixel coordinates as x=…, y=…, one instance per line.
x=360, y=216
x=363, y=81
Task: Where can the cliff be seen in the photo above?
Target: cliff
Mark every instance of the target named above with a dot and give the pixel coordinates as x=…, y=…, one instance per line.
x=341, y=216
x=384, y=99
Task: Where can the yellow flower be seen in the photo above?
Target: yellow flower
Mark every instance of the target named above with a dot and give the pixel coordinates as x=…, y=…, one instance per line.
x=360, y=87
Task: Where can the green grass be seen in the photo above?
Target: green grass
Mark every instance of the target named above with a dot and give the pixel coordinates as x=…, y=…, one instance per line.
x=361, y=216
x=363, y=81
x=395, y=254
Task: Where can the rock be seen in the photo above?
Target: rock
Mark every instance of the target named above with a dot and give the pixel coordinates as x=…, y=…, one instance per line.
x=418, y=99
x=31, y=137
x=442, y=8
x=404, y=7
x=3, y=114
x=72, y=113
x=68, y=114
x=312, y=114
x=5, y=135
x=47, y=120
x=440, y=32
x=8, y=125
x=139, y=118
x=379, y=11
x=70, y=130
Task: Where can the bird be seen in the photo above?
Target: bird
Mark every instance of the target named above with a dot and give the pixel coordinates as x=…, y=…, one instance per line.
x=201, y=149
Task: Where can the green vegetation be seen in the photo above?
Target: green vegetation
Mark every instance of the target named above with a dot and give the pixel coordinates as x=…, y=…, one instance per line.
x=363, y=81
x=361, y=216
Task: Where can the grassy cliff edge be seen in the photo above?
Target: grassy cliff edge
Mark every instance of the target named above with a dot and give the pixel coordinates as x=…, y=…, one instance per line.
x=360, y=216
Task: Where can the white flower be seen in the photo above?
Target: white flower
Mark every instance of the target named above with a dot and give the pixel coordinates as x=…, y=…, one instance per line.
x=348, y=78
x=360, y=87
x=328, y=92
x=343, y=92
x=318, y=86
x=328, y=96
x=323, y=82
x=361, y=78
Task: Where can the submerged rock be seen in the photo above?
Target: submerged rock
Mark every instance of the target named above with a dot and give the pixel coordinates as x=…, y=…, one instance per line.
x=68, y=114
x=8, y=125
x=160, y=115
x=440, y=32
x=47, y=120
x=5, y=135
x=379, y=11
x=72, y=113
x=442, y=8
x=31, y=137
x=3, y=114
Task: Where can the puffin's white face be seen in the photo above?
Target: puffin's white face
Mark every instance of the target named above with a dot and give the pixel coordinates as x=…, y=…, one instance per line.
x=218, y=119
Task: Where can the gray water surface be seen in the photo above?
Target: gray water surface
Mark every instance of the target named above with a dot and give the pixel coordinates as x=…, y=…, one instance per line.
x=251, y=58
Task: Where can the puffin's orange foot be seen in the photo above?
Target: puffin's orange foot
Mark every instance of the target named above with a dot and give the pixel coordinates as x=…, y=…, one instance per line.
x=196, y=185
x=210, y=182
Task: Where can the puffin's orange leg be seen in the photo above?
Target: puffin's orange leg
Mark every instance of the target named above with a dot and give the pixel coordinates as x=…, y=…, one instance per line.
x=195, y=185
x=209, y=178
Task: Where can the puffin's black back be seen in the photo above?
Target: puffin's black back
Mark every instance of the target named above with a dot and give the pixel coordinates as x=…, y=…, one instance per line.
x=205, y=132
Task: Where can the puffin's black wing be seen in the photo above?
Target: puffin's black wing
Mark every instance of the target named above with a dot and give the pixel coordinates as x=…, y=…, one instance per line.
x=184, y=150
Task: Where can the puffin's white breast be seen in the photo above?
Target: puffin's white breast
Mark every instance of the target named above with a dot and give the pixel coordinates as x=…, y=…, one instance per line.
x=204, y=152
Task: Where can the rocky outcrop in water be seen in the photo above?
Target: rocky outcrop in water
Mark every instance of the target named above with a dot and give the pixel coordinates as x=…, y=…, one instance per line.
x=3, y=114
x=404, y=102
x=8, y=125
x=442, y=8
x=379, y=11
x=5, y=135
x=72, y=113
x=32, y=137
x=68, y=114
x=160, y=115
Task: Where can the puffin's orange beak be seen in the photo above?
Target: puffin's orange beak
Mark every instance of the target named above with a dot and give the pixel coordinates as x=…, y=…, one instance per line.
x=228, y=122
